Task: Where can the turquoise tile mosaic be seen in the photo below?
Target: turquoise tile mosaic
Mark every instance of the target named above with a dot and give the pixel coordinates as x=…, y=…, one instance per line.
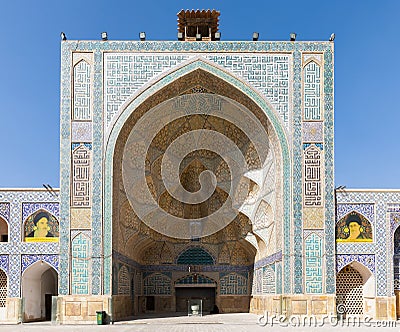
x=195, y=256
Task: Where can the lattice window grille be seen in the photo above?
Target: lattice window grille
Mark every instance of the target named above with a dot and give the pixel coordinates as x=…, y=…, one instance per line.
x=3, y=288
x=349, y=290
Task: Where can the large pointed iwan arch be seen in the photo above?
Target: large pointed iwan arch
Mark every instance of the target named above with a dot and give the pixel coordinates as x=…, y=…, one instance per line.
x=172, y=84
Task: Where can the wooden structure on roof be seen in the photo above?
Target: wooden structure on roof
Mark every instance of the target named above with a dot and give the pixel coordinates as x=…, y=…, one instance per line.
x=198, y=22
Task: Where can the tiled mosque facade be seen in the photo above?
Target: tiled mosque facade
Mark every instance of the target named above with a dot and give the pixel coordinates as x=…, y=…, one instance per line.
x=288, y=249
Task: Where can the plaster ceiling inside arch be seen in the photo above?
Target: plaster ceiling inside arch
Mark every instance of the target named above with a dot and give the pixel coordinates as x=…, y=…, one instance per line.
x=133, y=234
x=172, y=130
x=198, y=160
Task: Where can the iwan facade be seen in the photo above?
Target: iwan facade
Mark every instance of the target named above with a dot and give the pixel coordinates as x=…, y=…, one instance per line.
x=197, y=169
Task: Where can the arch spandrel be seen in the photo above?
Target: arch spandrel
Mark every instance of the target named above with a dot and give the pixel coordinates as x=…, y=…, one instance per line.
x=192, y=65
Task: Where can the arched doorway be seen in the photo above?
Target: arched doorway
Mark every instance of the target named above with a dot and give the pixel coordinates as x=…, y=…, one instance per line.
x=195, y=286
x=354, y=283
x=39, y=284
x=152, y=253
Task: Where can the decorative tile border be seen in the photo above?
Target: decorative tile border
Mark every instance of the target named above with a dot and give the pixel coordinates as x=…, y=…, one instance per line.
x=169, y=268
x=65, y=167
x=97, y=204
x=4, y=263
x=366, y=209
x=28, y=260
x=329, y=172
x=268, y=260
x=5, y=211
x=367, y=260
x=297, y=180
x=313, y=132
x=81, y=131
x=30, y=208
x=206, y=47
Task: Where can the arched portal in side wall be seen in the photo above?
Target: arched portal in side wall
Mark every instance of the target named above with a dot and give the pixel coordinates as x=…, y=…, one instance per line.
x=354, y=285
x=150, y=251
x=39, y=284
x=3, y=294
x=396, y=268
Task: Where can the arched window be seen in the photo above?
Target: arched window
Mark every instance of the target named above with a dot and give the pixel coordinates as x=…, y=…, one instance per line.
x=3, y=230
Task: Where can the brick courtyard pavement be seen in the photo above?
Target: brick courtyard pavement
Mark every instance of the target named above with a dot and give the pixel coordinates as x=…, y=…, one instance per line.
x=222, y=322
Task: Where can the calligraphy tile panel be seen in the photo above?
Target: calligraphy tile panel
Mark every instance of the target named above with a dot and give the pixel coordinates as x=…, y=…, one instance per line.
x=80, y=249
x=312, y=161
x=312, y=92
x=81, y=171
x=313, y=264
x=233, y=284
x=82, y=91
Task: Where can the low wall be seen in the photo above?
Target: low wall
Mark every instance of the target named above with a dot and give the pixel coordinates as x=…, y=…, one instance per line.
x=233, y=303
x=294, y=305
x=81, y=309
x=320, y=306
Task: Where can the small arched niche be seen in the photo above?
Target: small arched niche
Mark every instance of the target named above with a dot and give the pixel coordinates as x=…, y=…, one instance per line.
x=3, y=230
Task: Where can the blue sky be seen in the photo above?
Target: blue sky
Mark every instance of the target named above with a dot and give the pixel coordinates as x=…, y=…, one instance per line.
x=367, y=72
